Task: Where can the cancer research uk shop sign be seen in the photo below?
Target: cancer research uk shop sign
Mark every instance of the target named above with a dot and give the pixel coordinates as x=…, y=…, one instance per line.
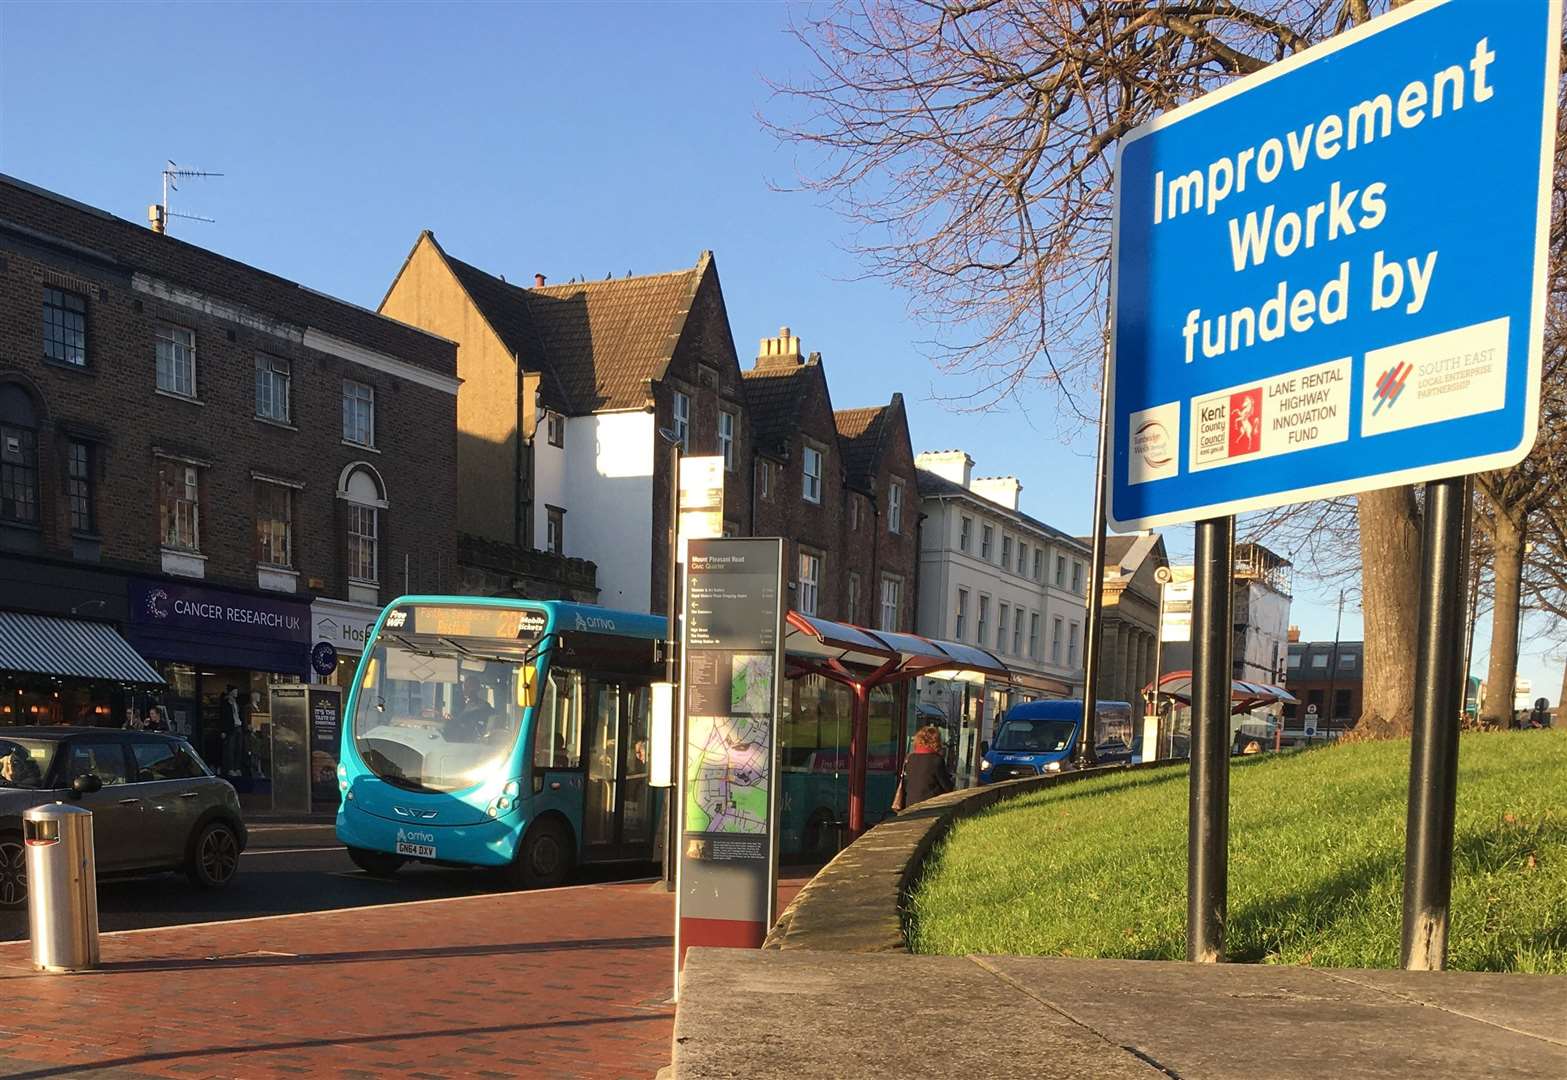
x=1329, y=276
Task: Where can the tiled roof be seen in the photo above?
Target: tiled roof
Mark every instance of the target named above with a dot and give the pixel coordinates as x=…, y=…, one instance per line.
x=1128, y=550
x=935, y=486
x=775, y=395
x=860, y=433
x=505, y=307
x=607, y=339
x=129, y=247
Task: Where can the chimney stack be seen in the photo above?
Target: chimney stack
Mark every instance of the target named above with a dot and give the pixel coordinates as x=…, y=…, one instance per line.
x=782, y=351
x=998, y=489
x=155, y=218
x=954, y=465
x=538, y=281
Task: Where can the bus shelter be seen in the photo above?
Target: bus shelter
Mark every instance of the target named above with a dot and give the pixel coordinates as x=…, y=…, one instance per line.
x=862, y=659
x=1175, y=690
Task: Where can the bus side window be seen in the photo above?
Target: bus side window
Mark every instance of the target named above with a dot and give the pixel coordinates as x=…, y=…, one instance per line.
x=557, y=729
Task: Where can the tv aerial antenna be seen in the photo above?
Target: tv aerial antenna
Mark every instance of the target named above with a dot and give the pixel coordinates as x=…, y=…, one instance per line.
x=158, y=214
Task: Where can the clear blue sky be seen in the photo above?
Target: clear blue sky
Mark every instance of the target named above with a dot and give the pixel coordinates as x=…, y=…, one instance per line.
x=564, y=139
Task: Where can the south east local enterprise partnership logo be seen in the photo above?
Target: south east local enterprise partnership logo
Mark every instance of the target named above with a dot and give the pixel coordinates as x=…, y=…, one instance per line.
x=1390, y=384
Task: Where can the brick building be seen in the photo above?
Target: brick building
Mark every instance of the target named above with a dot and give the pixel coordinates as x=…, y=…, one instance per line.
x=210, y=462
x=839, y=485
x=565, y=390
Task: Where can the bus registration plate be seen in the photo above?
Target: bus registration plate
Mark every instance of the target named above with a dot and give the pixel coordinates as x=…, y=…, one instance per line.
x=416, y=845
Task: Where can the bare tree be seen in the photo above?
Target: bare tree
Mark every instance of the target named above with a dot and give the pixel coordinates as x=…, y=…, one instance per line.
x=974, y=145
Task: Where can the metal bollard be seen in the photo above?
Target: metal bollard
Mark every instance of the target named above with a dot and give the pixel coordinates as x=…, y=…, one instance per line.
x=62, y=887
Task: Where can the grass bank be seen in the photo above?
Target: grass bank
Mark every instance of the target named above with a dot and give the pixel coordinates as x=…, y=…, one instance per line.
x=1098, y=868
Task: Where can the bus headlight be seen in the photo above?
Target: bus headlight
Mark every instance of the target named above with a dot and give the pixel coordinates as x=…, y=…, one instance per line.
x=493, y=812
x=512, y=788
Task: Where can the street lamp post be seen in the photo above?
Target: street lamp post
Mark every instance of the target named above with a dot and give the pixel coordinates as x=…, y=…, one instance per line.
x=672, y=642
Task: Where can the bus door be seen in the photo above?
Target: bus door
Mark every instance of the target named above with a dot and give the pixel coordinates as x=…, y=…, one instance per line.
x=618, y=815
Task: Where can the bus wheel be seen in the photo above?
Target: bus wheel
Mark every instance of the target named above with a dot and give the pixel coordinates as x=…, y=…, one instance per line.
x=545, y=857
x=376, y=863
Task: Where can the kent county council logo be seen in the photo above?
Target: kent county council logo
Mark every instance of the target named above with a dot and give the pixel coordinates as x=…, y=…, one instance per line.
x=1390, y=384
x=155, y=601
x=1152, y=441
x=1246, y=422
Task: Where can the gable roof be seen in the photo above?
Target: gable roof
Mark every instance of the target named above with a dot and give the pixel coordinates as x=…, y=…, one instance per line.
x=775, y=395
x=1126, y=553
x=935, y=486
x=30, y=211
x=607, y=339
x=862, y=436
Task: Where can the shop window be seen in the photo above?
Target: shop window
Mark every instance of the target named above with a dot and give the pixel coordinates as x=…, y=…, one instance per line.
x=358, y=413
x=18, y=456
x=274, y=524
x=65, y=327
x=179, y=505
x=79, y=485
x=176, y=351
x=272, y=388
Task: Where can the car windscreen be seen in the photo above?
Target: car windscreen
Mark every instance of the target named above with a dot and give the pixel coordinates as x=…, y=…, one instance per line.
x=1033, y=736
x=25, y=762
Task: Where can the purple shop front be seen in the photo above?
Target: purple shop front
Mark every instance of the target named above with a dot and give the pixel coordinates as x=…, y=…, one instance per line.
x=219, y=627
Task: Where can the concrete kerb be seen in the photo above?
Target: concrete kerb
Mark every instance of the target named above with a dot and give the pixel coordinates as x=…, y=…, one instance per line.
x=858, y=903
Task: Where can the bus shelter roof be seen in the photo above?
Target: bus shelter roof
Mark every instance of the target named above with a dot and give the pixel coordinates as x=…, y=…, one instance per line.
x=857, y=654
x=1244, y=696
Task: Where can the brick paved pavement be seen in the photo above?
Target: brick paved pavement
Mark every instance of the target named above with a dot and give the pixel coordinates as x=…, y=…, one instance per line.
x=563, y=982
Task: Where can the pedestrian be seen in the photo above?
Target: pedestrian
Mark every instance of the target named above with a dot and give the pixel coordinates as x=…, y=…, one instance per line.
x=233, y=732
x=154, y=721
x=925, y=771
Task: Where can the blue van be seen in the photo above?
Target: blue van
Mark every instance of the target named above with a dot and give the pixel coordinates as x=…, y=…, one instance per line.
x=1040, y=737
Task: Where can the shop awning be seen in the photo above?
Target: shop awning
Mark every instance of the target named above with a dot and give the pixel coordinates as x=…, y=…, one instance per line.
x=70, y=648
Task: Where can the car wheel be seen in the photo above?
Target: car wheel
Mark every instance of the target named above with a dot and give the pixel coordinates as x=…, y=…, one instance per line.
x=13, y=871
x=214, y=856
x=376, y=863
x=545, y=857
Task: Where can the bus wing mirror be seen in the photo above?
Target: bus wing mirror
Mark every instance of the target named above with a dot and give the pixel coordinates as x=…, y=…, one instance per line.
x=372, y=669
x=527, y=685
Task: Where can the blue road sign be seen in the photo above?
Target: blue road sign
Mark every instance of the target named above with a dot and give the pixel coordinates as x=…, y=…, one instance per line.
x=1329, y=277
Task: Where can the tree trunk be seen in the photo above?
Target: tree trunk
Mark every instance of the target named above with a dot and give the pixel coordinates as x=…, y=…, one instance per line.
x=1390, y=546
x=1507, y=576
x=1561, y=702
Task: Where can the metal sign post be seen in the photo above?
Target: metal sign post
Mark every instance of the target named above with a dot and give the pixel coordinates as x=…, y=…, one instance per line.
x=1208, y=831
x=1308, y=301
x=727, y=800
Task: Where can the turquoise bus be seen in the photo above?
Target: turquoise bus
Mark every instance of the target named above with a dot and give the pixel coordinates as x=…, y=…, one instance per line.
x=511, y=734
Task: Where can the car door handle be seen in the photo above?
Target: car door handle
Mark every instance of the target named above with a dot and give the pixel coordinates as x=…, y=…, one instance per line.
x=129, y=802
x=190, y=795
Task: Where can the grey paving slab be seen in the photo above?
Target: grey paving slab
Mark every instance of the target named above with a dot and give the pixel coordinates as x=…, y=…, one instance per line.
x=1534, y=1004
x=803, y=1015
x=1244, y=1021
